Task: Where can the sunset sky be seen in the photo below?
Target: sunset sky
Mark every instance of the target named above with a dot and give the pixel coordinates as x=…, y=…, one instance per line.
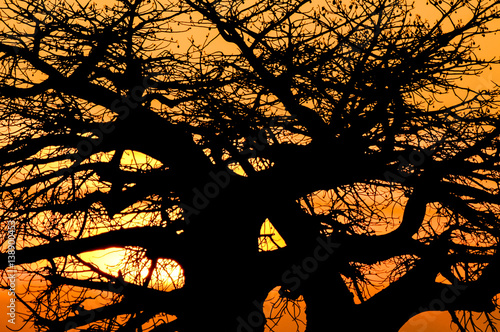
x=168, y=275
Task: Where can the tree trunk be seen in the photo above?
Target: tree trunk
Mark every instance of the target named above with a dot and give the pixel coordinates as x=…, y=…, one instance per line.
x=222, y=276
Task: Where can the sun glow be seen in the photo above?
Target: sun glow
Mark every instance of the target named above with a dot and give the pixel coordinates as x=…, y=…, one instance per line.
x=131, y=264
x=283, y=314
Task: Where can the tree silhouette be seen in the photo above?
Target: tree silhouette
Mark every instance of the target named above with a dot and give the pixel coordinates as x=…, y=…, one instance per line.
x=170, y=131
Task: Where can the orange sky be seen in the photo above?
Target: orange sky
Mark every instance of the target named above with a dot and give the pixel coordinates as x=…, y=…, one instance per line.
x=426, y=322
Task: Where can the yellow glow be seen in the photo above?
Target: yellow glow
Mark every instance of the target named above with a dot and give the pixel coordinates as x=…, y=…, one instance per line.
x=236, y=167
x=166, y=276
x=260, y=164
x=137, y=215
x=138, y=161
x=269, y=238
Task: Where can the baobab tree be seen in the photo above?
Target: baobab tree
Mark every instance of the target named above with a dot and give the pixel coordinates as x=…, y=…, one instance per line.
x=170, y=131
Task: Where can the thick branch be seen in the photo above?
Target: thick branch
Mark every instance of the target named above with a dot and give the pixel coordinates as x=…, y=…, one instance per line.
x=159, y=239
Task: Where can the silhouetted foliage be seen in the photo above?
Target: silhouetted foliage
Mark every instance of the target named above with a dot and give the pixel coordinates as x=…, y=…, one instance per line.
x=170, y=131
